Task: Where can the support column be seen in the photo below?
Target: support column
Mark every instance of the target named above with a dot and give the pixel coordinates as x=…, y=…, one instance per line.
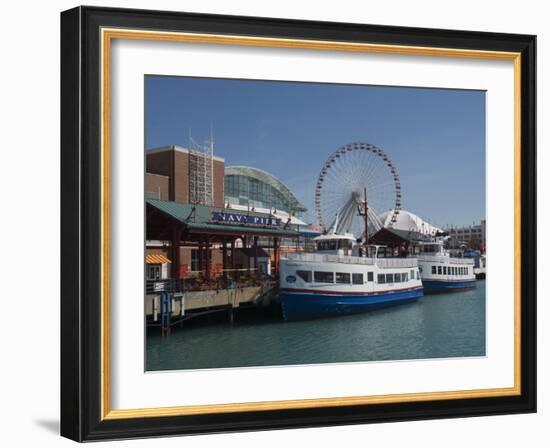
x=256, y=255
x=201, y=257
x=175, y=249
x=224, y=257
x=245, y=245
x=275, y=268
x=233, y=273
x=207, y=258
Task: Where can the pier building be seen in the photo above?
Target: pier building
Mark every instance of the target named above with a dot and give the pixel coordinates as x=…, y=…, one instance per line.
x=210, y=228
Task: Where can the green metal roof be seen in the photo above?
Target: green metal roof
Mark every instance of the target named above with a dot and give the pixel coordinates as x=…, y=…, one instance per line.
x=199, y=219
x=269, y=179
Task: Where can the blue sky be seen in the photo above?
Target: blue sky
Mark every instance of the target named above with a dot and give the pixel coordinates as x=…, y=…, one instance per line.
x=435, y=137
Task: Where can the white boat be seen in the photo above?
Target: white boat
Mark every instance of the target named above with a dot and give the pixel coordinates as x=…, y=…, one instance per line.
x=340, y=278
x=442, y=273
x=481, y=270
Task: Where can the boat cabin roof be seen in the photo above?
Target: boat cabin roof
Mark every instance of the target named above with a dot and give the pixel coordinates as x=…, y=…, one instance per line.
x=334, y=236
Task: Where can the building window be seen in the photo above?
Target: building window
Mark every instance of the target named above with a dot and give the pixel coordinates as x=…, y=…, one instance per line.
x=195, y=265
x=370, y=277
x=342, y=277
x=323, y=277
x=304, y=275
x=357, y=279
x=153, y=272
x=381, y=278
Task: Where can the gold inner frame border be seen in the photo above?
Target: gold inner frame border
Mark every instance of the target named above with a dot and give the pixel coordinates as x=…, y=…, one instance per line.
x=107, y=35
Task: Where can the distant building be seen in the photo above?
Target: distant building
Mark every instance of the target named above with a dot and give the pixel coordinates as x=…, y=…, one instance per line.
x=473, y=236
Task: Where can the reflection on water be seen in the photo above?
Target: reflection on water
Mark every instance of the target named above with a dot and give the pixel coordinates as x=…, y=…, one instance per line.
x=436, y=326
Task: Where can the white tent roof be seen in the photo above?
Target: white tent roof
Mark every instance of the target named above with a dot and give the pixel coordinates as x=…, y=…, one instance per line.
x=408, y=221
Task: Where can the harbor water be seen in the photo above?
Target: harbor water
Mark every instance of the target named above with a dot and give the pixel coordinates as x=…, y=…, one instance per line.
x=435, y=326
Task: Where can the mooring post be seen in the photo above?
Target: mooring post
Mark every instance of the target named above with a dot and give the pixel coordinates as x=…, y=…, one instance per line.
x=165, y=313
x=231, y=317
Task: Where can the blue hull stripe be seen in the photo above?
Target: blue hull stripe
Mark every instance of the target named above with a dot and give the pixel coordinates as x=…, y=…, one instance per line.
x=299, y=305
x=435, y=286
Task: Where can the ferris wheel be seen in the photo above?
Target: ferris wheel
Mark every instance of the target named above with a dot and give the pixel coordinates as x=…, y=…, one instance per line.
x=352, y=172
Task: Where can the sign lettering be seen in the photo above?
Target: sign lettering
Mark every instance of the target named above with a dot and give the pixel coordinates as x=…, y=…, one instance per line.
x=238, y=218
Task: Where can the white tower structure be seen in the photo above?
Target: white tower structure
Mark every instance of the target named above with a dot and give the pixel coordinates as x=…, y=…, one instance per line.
x=201, y=172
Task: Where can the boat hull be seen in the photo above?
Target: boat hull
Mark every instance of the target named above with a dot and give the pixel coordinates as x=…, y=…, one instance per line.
x=439, y=286
x=300, y=304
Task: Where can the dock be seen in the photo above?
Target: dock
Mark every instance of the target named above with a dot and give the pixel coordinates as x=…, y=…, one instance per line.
x=171, y=302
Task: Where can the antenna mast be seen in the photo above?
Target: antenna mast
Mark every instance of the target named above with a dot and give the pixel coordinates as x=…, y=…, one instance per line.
x=364, y=212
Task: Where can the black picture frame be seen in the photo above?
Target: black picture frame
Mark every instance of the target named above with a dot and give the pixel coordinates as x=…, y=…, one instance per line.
x=81, y=380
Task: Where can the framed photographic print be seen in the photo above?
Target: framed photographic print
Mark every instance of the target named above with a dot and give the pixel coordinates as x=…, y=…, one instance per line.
x=273, y=223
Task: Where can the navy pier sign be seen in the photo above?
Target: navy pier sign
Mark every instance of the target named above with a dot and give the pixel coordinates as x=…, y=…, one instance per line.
x=238, y=218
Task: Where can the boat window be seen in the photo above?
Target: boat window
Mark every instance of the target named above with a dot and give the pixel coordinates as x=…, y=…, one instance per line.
x=417, y=275
x=444, y=270
x=370, y=277
x=389, y=278
x=434, y=269
x=344, y=244
x=420, y=268
x=327, y=245
x=439, y=270
x=304, y=275
x=381, y=278
x=412, y=273
x=357, y=279
x=324, y=277
x=342, y=277
x=405, y=277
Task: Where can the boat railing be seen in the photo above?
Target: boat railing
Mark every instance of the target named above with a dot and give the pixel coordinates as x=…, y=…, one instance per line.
x=396, y=262
x=329, y=258
x=440, y=259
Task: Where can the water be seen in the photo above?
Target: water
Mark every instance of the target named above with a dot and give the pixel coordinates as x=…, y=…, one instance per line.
x=436, y=326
